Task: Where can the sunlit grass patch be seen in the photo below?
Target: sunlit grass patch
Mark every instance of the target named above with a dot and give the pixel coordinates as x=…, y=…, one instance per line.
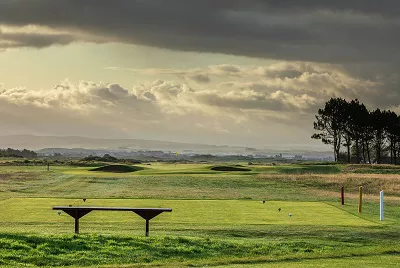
x=29, y=213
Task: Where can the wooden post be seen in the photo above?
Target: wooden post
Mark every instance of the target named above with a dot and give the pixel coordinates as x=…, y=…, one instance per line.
x=77, y=225
x=342, y=195
x=381, y=206
x=147, y=227
x=360, y=192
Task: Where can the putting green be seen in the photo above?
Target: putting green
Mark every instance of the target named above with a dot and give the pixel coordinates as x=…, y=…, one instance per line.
x=36, y=214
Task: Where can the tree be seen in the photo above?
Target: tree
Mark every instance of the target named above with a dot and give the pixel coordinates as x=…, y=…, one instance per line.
x=329, y=123
x=397, y=146
x=378, y=125
x=9, y=152
x=346, y=125
x=366, y=134
x=357, y=123
x=391, y=125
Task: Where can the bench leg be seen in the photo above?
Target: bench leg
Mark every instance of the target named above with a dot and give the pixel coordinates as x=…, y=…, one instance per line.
x=147, y=216
x=77, y=225
x=77, y=214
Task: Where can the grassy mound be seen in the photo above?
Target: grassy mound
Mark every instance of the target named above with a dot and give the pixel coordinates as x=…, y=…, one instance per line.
x=117, y=169
x=229, y=168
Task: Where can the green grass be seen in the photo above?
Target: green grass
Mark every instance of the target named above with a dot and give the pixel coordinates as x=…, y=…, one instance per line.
x=196, y=232
x=381, y=261
x=84, y=250
x=218, y=217
x=79, y=182
x=24, y=214
x=373, y=169
x=190, y=169
x=169, y=181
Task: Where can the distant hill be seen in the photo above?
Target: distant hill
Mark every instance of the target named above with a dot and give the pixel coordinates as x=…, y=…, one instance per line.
x=39, y=142
x=33, y=142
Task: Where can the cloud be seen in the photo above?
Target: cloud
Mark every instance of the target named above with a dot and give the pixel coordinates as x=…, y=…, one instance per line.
x=323, y=31
x=359, y=37
x=149, y=103
x=40, y=37
x=385, y=7
x=200, y=78
x=303, y=80
x=236, y=101
x=322, y=49
x=14, y=40
x=281, y=92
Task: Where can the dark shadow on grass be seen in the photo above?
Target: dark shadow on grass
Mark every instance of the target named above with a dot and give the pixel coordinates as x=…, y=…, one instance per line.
x=310, y=169
x=229, y=168
x=340, y=234
x=117, y=168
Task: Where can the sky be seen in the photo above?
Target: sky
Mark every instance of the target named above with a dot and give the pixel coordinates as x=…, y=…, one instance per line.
x=249, y=73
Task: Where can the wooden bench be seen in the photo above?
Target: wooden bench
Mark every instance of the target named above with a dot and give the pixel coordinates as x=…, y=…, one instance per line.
x=79, y=212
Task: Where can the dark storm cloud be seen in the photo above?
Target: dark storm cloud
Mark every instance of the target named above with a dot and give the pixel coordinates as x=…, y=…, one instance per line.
x=200, y=78
x=386, y=7
x=33, y=40
x=312, y=30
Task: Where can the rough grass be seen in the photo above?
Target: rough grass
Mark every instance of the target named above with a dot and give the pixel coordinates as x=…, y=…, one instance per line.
x=372, y=169
x=192, y=181
x=308, y=169
x=381, y=261
x=86, y=250
x=92, y=250
x=372, y=183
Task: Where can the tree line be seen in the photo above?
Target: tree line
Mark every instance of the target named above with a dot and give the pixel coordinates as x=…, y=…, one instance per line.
x=17, y=153
x=368, y=136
